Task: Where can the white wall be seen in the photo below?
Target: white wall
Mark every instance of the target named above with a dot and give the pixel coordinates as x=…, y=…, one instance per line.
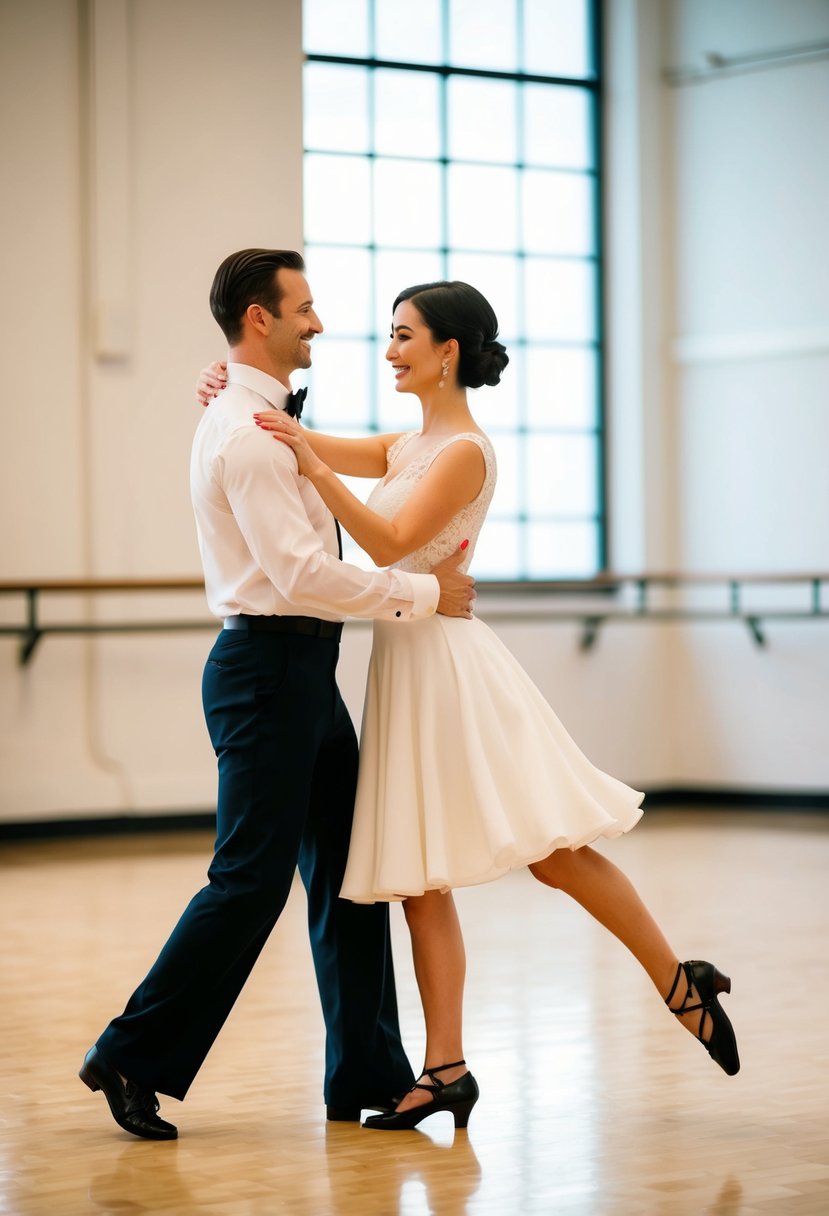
x=750, y=371
x=201, y=121
x=130, y=173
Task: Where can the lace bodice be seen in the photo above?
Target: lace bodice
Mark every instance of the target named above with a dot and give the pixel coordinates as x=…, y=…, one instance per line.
x=389, y=495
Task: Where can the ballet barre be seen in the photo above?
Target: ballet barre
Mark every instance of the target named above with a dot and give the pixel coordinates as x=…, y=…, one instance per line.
x=640, y=606
x=603, y=600
x=33, y=628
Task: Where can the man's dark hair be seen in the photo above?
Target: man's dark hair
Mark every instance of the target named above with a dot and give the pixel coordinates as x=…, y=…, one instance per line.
x=245, y=278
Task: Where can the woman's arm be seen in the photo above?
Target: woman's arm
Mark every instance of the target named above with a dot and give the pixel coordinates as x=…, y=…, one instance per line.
x=352, y=457
x=453, y=479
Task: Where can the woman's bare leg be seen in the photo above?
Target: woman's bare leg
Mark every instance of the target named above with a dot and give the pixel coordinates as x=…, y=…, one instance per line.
x=440, y=970
x=611, y=898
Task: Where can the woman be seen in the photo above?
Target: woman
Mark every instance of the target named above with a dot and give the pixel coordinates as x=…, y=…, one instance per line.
x=465, y=771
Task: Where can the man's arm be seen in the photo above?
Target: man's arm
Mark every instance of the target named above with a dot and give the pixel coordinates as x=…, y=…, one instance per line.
x=260, y=480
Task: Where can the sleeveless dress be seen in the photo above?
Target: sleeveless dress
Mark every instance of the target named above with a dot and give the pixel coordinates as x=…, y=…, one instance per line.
x=465, y=771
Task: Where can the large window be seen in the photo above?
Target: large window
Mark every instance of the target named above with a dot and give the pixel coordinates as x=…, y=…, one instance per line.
x=459, y=139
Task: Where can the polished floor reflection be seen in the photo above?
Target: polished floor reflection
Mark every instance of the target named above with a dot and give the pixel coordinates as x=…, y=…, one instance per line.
x=594, y=1101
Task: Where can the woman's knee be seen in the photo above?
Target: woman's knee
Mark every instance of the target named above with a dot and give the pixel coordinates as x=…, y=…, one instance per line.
x=558, y=869
x=421, y=909
x=545, y=871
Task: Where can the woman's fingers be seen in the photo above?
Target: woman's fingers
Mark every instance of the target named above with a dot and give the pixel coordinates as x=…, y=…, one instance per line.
x=277, y=420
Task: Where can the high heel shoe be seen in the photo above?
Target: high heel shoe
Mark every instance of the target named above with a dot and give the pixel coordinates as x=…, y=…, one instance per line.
x=709, y=983
x=458, y=1097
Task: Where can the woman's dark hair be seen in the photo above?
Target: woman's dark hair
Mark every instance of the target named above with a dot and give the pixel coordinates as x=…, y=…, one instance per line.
x=245, y=278
x=456, y=310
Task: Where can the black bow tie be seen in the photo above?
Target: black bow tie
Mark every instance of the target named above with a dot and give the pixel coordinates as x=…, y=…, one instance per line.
x=294, y=403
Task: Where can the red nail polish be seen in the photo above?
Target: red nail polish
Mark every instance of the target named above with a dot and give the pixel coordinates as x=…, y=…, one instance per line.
x=464, y=544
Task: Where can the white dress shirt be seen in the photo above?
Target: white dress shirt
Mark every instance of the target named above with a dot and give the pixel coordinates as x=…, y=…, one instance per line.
x=268, y=542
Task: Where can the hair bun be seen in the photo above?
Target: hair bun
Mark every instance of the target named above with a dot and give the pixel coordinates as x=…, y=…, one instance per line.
x=494, y=359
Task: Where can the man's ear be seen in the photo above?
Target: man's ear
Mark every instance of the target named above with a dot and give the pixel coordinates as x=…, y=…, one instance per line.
x=259, y=318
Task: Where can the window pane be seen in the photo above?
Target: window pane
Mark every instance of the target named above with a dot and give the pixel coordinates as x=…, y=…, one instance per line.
x=482, y=119
x=482, y=207
x=557, y=127
x=407, y=199
x=414, y=176
x=496, y=407
x=341, y=282
x=506, y=500
x=559, y=300
x=561, y=475
x=410, y=32
x=557, y=38
x=482, y=34
x=562, y=388
x=499, y=408
x=339, y=394
x=398, y=411
x=562, y=550
x=407, y=113
x=557, y=212
x=337, y=199
x=393, y=271
x=336, y=108
x=336, y=27
x=498, y=551
x=496, y=276
x=352, y=553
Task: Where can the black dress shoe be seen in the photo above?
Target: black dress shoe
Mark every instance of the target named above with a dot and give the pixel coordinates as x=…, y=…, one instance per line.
x=132, y=1108
x=458, y=1097
x=709, y=983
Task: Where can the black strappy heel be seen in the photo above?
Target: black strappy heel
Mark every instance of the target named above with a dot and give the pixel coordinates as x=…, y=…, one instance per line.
x=458, y=1097
x=709, y=983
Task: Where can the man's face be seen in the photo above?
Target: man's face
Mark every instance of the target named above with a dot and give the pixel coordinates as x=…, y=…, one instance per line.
x=290, y=335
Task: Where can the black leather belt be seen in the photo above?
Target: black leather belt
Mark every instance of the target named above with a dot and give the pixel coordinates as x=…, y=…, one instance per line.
x=308, y=626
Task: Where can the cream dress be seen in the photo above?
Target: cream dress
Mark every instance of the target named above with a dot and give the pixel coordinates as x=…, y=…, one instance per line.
x=465, y=771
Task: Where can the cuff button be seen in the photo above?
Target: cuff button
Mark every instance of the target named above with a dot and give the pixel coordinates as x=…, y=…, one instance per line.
x=398, y=614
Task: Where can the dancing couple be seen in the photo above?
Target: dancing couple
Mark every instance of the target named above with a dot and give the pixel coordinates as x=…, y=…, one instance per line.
x=465, y=773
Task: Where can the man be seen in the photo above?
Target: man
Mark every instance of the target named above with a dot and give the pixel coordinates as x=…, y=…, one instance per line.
x=285, y=744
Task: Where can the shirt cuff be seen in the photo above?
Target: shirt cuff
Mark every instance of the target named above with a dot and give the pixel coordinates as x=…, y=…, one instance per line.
x=425, y=594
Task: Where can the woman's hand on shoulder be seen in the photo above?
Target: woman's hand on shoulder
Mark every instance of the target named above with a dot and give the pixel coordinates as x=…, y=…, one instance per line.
x=288, y=431
x=212, y=379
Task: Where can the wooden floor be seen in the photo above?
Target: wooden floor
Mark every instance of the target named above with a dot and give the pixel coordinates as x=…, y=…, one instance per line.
x=594, y=1100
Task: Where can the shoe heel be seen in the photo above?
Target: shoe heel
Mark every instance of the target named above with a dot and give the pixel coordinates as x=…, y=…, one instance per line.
x=722, y=983
x=461, y=1114
x=88, y=1079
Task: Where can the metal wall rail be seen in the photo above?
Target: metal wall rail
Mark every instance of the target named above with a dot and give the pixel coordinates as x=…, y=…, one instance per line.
x=605, y=593
x=610, y=589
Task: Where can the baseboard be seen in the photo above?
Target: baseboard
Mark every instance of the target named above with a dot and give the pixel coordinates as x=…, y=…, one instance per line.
x=800, y=801
x=750, y=800
x=108, y=825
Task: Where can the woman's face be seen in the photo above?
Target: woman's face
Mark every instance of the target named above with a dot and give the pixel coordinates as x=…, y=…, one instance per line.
x=412, y=351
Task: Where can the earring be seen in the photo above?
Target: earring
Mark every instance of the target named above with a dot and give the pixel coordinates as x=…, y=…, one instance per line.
x=444, y=373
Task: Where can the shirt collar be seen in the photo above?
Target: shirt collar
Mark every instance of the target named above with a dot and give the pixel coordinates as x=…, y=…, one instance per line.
x=274, y=392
